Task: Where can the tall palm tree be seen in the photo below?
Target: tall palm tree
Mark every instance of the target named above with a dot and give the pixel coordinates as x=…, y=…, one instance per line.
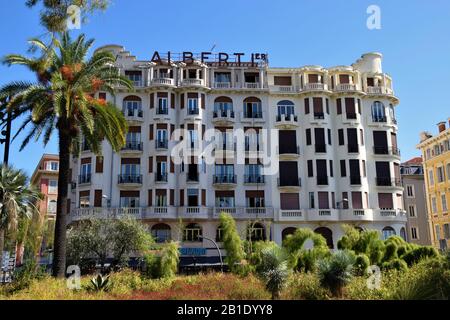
x=17, y=200
x=62, y=100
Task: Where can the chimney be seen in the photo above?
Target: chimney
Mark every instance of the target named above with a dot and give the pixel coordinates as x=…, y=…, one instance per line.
x=441, y=126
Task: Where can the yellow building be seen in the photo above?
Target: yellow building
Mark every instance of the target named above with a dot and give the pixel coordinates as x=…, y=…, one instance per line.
x=436, y=154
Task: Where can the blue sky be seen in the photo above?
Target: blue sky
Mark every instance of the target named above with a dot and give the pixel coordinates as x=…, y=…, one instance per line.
x=414, y=40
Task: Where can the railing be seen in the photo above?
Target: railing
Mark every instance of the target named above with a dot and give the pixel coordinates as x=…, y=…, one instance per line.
x=243, y=213
x=253, y=115
x=321, y=148
x=133, y=146
x=322, y=180
x=161, y=144
x=133, y=113
x=193, y=111
x=163, y=81
x=383, y=150
x=351, y=116
x=287, y=118
x=325, y=213
x=84, y=178
x=223, y=114
x=283, y=88
x=379, y=90
x=291, y=213
x=319, y=115
x=224, y=179
x=289, y=150
x=251, y=85
x=345, y=87
x=192, y=82
x=355, y=181
x=353, y=148
x=222, y=85
x=161, y=177
x=162, y=111
x=254, y=178
x=290, y=182
x=193, y=177
x=130, y=178
x=314, y=86
x=388, y=182
x=379, y=119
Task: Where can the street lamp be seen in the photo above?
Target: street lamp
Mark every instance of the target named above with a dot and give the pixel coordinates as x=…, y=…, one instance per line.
x=218, y=250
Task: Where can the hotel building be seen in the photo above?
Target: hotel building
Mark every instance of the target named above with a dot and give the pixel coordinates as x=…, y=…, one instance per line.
x=436, y=154
x=331, y=135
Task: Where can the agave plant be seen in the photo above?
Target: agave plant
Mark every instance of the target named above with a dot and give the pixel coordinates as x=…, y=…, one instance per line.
x=100, y=283
x=273, y=270
x=336, y=271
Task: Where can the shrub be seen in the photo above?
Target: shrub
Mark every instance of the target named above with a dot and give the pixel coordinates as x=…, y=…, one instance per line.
x=396, y=264
x=232, y=242
x=390, y=252
x=170, y=257
x=152, y=266
x=306, y=287
x=335, y=272
x=418, y=254
x=99, y=283
x=362, y=263
x=273, y=270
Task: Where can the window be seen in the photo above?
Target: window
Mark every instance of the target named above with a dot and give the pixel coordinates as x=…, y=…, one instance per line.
x=161, y=233
x=52, y=206
x=431, y=177
x=192, y=105
x=129, y=202
x=308, y=137
x=341, y=137
x=252, y=108
x=53, y=186
x=256, y=232
x=433, y=205
x=388, y=232
x=161, y=198
x=52, y=166
x=448, y=171
x=378, y=112
x=410, y=191
x=132, y=106
x=224, y=201
x=414, y=233
x=343, y=169
x=437, y=230
x=311, y=200
x=84, y=201
x=412, y=211
x=444, y=203
x=446, y=228
x=440, y=174
x=162, y=105
x=310, y=169
x=193, y=138
x=192, y=232
x=286, y=108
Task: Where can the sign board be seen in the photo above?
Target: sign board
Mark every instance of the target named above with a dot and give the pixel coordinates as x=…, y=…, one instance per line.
x=193, y=251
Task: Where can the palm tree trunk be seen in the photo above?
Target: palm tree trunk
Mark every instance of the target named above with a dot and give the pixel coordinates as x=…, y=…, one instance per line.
x=59, y=260
x=2, y=245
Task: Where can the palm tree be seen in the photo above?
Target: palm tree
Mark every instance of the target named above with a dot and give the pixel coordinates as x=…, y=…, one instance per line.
x=17, y=200
x=62, y=100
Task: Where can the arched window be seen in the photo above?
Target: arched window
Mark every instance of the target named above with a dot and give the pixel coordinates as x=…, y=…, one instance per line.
x=327, y=234
x=161, y=232
x=252, y=108
x=286, y=108
x=256, y=232
x=52, y=206
x=388, y=232
x=192, y=232
x=132, y=106
x=403, y=233
x=286, y=232
x=219, y=234
x=378, y=112
x=223, y=106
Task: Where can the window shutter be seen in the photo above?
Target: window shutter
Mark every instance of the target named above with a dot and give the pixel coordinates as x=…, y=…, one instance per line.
x=150, y=198
x=182, y=101
x=152, y=100
x=203, y=102
x=98, y=196
x=151, y=132
x=339, y=106
x=182, y=198
x=99, y=164
x=204, y=197
x=150, y=165
x=172, y=197
x=172, y=101
x=307, y=106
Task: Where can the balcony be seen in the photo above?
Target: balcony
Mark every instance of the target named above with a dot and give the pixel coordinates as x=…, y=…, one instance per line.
x=162, y=144
x=289, y=121
x=247, y=213
x=133, y=147
x=291, y=215
x=323, y=215
x=162, y=111
x=160, y=213
x=80, y=214
x=282, y=89
x=193, y=212
x=388, y=182
x=322, y=180
x=254, y=179
x=193, y=82
x=385, y=151
x=389, y=214
x=319, y=116
x=222, y=85
x=84, y=179
x=161, y=177
x=321, y=148
x=130, y=179
x=192, y=177
x=315, y=87
x=346, y=87
x=355, y=181
x=224, y=180
x=163, y=82
x=289, y=183
x=379, y=91
x=252, y=85
x=223, y=117
x=134, y=115
x=356, y=215
x=257, y=116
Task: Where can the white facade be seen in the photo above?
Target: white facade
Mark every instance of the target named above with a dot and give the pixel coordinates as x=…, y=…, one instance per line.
x=357, y=97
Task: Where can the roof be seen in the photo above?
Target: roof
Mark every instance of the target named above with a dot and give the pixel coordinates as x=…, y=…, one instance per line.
x=416, y=161
x=45, y=156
